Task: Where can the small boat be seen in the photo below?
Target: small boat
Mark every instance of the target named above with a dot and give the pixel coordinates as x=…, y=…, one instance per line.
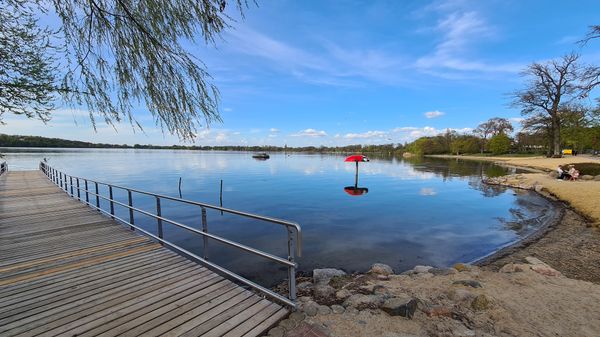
x=262, y=155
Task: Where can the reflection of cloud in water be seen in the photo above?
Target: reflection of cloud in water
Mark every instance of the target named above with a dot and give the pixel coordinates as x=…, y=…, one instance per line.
x=401, y=171
x=427, y=191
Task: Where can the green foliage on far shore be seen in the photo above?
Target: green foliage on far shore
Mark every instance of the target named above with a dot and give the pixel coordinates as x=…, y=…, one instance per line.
x=499, y=144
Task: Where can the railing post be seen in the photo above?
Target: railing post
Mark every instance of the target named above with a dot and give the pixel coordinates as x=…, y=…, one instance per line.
x=71, y=184
x=291, y=270
x=130, y=209
x=110, y=197
x=97, y=196
x=87, y=194
x=158, y=220
x=204, y=238
x=78, y=189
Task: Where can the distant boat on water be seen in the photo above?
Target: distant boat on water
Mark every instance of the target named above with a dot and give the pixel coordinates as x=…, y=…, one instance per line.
x=263, y=156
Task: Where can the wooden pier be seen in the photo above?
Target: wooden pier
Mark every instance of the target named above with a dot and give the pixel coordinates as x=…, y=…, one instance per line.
x=68, y=270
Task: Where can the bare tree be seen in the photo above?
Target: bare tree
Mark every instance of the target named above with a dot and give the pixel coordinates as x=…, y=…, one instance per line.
x=551, y=85
x=492, y=127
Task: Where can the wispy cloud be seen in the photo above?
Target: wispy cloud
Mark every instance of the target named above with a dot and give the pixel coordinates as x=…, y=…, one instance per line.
x=273, y=130
x=309, y=133
x=434, y=114
x=364, y=135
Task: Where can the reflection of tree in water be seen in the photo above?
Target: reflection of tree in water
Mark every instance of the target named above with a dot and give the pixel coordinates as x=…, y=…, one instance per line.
x=449, y=168
x=529, y=215
x=487, y=190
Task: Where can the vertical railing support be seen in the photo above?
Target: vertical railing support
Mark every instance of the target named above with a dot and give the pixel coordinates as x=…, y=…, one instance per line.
x=87, y=192
x=130, y=202
x=78, y=189
x=71, y=184
x=112, y=205
x=97, y=196
x=204, y=238
x=159, y=220
x=291, y=270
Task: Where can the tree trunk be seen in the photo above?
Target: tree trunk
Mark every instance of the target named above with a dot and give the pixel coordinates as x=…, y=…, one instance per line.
x=556, y=135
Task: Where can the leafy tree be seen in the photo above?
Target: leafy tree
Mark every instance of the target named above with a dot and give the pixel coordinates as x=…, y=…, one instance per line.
x=492, y=127
x=551, y=85
x=27, y=72
x=499, y=144
x=117, y=55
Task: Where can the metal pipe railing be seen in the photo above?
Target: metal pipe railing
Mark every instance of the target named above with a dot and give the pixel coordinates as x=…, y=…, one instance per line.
x=3, y=168
x=294, y=233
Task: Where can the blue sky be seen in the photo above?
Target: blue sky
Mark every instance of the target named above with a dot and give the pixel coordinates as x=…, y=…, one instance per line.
x=361, y=72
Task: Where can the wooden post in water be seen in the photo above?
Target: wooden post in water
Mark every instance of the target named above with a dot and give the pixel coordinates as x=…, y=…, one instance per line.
x=221, y=196
x=356, y=176
x=180, y=187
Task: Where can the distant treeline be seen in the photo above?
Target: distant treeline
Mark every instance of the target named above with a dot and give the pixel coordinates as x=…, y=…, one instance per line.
x=36, y=141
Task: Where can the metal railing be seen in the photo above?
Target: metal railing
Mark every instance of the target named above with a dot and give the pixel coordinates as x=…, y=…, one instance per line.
x=80, y=188
x=3, y=168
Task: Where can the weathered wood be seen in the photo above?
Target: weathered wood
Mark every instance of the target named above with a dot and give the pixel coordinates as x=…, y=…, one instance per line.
x=66, y=269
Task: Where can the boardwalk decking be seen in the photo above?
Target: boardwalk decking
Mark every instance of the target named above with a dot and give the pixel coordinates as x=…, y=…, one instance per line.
x=67, y=270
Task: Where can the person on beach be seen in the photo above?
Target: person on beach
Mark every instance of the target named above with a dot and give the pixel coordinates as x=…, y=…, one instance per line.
x=573, y=173
x=562, y=174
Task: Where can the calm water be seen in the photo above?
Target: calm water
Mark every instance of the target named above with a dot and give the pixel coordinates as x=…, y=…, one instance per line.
x=427, y=211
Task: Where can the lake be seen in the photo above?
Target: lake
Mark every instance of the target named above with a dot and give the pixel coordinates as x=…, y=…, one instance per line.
x=418, y=211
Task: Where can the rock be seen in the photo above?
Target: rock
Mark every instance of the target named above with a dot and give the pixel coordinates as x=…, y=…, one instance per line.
x=514, y=268
x=422, y=269
x=438, y=311
x=323, y=276
x=324, y=310
x=381, y=269
x=480, y=302
x=305, y=286
x=424, y=275
x=311, y=308
x=597, y=178
x=352, y=311
x=303, y=299
x=383, y=277
x=400, y=306
x=276, y=332
x=553, y=174
x=586, y=177
x=442, y=271
x=538, y=188
x=288, y=324
x=462, y=267
x=468, y=283
x=360, y=301
x=460, y=295
x=297, y=316
x=534, y=260
x=545, y=270
x=380, y=290
x=337, y=309
x=321, y=291
x=342, y=294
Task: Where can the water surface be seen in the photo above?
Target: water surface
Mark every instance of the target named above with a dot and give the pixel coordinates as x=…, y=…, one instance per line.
x=424, y=211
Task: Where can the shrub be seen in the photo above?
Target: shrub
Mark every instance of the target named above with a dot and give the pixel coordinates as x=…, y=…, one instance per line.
x=592, y=169
x=499, y=144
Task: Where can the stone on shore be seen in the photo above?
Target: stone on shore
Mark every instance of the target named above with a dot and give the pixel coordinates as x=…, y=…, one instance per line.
x=337, y=309
x=381, y=269
x=323, y=291
x=323, y=276
x=361, y=302
x=443, y=271
x=462, y=267
x=514, y=268
x=468, y=283
x=597, y=178
x=342, y=294
x=586, y=177
x=400, y=306
x=311, y=308
x=422, y=269
x=480, y=302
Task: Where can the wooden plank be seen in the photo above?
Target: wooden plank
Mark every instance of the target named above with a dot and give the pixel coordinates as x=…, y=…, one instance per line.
x=68, y=269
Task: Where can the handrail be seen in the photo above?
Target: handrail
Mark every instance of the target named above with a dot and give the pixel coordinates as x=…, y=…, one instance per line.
x=3, y=168
x=72, y=186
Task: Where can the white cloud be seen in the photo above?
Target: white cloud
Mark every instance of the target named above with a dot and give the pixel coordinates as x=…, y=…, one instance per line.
x=426, y=191
x=273, y=130
x=368, y=134
x=516, y=119
x=434, y=114
x=309, y=133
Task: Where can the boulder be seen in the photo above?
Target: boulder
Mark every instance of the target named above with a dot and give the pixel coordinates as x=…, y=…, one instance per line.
x=342, y=294
x=480, y=302
x=404, y=306
x=538, y=188
x=468, y=283
x=422, y=269
x=323, y=276
x=297, y=316
x=324, y=310
x=381, y=269
x=337, y=309
x=311, y=308
x=360, y=301
x=514, y=268
x=323, y=291
x=462, y=267
x=534, y=260
x=586, y=177
x=438, y=310
x=545, y=270
x=443, y=271
x=383, y=277
x=597, y=178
